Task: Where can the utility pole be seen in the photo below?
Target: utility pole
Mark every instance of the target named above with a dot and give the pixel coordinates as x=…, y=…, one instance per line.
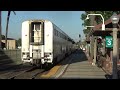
x=115, y=53
x=95, y=50
x=0, y=31
x=88, y=47
x=115, y=20
x=92, y=18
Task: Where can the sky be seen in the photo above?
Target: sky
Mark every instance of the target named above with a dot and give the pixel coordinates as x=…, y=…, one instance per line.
x=67, y=21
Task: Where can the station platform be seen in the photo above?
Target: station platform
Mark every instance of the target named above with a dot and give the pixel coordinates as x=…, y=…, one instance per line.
x=77, y=66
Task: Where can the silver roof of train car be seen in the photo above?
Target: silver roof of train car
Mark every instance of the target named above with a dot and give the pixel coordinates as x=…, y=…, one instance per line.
x=37, y=20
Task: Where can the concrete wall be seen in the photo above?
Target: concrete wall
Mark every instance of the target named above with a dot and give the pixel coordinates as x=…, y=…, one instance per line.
x=13, y=56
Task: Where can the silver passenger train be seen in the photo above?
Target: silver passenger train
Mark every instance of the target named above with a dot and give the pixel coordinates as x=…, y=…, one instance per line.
x=44, y=43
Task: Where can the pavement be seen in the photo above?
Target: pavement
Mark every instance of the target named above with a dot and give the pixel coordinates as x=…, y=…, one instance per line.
x=77, y=66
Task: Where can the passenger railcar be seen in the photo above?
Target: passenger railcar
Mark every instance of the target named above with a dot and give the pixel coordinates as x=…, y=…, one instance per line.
x=44, y=43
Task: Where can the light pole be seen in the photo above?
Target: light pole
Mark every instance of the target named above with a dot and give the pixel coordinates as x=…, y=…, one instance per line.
x=115, y=20
x=103, y=25
x=95, y=41
x=88, y=26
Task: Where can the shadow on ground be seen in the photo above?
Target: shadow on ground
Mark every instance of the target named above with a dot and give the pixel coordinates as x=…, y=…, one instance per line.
x=77, y=56
x=80, y=56
x=9, y=59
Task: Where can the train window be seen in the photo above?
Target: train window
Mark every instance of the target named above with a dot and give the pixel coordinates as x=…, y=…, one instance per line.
x=37, y=37
x=60, y=35
x=57, y=32
x=64, y=36
x=68, y=39
x=37, y=26
x=54, y=32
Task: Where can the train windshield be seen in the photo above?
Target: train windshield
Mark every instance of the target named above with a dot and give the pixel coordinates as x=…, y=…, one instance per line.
x=37, y=33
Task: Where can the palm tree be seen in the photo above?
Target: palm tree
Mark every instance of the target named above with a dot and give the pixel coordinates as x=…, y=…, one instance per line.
x=0, y=30
x=8, y=16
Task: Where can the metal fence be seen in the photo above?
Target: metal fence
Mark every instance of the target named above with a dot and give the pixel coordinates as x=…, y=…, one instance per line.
x=10, y=56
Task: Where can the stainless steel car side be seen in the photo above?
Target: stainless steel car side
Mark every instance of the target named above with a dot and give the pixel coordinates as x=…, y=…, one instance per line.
x=43, y=42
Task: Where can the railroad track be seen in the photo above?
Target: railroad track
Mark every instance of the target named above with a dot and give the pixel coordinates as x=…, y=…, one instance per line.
x=29, y=74
x=22, y=73
x=25, y=72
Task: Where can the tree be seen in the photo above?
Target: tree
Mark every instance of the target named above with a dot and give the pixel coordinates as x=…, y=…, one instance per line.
x=3, y=36
x=18, y=42
x=98, y=19
x=8, y=16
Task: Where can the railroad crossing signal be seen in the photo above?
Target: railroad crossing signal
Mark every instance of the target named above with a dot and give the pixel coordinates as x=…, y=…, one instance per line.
x=109, y=41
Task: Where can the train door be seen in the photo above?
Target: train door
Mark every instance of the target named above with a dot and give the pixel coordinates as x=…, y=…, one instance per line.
x=37, y=42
